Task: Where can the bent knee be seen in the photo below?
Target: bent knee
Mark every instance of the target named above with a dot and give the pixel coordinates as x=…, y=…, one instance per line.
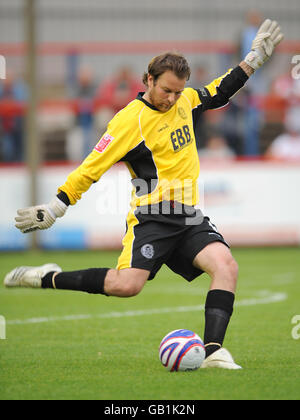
x=228, y=267
x=130, y=290
x=233, y=268
x=126, y=283
x=225, y=275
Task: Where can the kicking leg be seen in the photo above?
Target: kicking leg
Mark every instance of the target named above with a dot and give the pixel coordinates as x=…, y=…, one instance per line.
x=111, y=282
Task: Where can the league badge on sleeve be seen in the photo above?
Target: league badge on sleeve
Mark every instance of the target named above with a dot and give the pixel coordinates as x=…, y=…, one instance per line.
x=103, y=143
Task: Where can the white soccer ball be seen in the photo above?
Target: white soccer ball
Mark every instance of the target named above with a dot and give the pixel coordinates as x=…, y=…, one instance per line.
x=181, y=350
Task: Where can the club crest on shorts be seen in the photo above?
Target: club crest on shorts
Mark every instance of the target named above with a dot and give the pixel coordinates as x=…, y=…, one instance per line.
x=147, y=251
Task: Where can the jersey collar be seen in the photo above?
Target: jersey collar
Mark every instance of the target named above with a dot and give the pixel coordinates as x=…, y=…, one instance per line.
x=140, y=98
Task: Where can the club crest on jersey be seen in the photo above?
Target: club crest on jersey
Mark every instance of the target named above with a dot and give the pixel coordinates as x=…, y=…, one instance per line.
x=182, y=113
x=103, y=143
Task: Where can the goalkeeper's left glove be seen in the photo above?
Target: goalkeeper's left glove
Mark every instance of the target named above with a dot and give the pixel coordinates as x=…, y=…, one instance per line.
x=40, y=217
x=268, y=36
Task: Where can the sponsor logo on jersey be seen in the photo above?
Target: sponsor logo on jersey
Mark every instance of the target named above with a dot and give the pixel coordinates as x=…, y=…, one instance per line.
x=104, y=142
x=181, y=138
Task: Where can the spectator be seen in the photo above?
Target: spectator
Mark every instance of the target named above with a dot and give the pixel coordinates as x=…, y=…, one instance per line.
x=232, y=122
x=85, y=87
x=256, y=86
x=200, y=78
x=216, y=149
x=287, y=145
x=114, y=94
x=122, y=88
x=81, y=138
x=13, y=94
x=287, y=87
x=253, y=21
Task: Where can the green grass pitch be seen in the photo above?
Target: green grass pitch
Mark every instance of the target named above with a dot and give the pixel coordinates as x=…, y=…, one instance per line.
x=70, y=345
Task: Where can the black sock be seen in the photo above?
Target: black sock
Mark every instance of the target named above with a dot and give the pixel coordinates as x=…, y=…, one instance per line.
x=218, y=310
x=90, y=281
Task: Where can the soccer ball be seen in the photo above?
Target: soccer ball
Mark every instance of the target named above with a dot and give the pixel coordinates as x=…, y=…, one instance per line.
x=181, y=350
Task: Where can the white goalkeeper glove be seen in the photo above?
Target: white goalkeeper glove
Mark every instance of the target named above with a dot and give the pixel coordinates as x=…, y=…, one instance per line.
x=268, y=36
x=40, y=217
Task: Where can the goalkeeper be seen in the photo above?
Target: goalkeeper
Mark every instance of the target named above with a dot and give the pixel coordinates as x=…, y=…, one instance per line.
x=154, y=136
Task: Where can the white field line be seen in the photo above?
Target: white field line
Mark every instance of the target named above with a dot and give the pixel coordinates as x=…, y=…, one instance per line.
x=267, y=299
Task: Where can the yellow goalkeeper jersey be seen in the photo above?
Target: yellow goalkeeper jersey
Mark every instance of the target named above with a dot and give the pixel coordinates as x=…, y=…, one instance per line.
x=158, y=148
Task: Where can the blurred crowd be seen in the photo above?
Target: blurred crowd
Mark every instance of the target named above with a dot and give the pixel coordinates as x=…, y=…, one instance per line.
x=263, y=119
x=251, y=125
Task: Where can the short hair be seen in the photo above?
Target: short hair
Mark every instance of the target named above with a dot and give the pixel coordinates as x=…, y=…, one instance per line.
x=169, y=61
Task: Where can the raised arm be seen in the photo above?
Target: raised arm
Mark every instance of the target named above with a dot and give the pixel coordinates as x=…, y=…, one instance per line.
x=218, y=93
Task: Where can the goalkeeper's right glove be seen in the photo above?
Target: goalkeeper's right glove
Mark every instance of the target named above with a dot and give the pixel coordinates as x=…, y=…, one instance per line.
x=40, y=217
x=268, y=36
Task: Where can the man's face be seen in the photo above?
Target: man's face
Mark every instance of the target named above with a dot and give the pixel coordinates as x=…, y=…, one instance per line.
x=165, y=91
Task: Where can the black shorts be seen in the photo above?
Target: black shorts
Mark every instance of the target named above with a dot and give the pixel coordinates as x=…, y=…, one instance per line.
x=152, y=240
